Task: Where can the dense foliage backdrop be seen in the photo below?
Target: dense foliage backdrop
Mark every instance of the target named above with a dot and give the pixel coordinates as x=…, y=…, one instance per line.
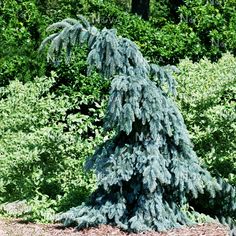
x=51, y=116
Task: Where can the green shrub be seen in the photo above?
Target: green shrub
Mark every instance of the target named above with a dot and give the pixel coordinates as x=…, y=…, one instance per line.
x=20, y=36
x=44, y=140
x=156, y=43
x=207, y=98
x=214, y=24
x=202, y=29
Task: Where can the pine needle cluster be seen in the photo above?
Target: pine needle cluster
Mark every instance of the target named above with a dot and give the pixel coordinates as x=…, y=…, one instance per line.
x=148, y=171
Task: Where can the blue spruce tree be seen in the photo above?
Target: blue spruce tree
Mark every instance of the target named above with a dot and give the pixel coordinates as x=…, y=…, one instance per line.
x=148, y=171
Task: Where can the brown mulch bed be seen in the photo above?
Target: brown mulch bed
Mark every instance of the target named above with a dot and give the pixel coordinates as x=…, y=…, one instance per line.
x=18, y=228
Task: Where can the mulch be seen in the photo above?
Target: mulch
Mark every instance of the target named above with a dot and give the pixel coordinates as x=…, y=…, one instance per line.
x=19, y=228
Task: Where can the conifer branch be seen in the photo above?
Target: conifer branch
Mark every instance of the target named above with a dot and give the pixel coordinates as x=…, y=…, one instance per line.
x=148, y=171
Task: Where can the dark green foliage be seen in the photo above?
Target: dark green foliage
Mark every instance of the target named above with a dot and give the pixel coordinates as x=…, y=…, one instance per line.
x=20, y=36
x=142, y=8
x=214, y=24
x=202, y=29
x=148, y=171
x=169, y=42
x=199, y=28
x=22, y=28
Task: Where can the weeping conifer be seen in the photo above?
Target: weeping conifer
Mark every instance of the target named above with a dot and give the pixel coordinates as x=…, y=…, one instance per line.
x=148, y=171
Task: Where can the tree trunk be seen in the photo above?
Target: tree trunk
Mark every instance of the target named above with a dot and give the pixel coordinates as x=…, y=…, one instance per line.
x=141, y=7
x=174, y=5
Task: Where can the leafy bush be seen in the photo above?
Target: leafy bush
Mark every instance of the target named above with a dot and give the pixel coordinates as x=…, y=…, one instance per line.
x=214, y=24
x=164, y=44
x=204, y=28
x=20, y=36
x=44, y=139
x=22, y=28
x=207, y=98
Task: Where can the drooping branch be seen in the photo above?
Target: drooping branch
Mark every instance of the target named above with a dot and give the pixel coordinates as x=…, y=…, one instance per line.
x=109, y=54
x=148, y=171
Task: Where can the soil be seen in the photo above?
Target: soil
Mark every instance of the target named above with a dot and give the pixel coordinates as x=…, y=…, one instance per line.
x=20, y=228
